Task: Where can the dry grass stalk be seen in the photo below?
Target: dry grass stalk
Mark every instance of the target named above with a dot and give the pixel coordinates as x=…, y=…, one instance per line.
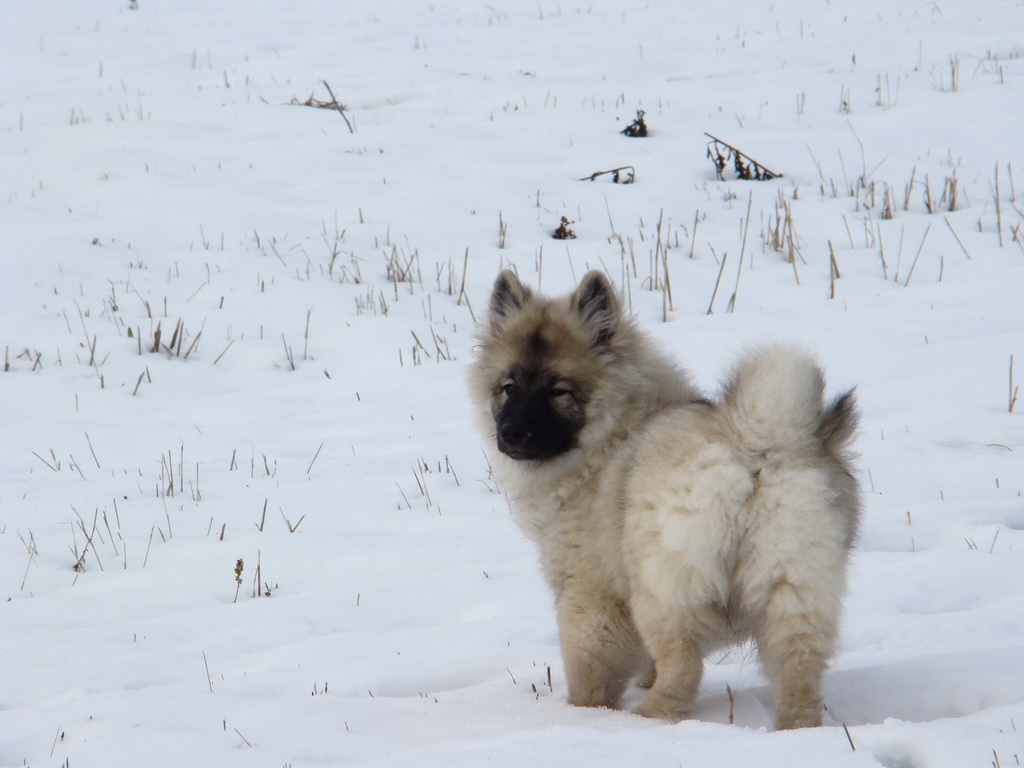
x=849, y=233
x=206, y=664
x=56, y=464
x=999, y=209
x=287, y=522
x=775, y=236
x=32, y=550
x=908, y=189
x=405, y=268
x=217, y=360
x=239, y=567
x=257, y=590
x=833, y=270
x=881, y=254
x=958, y=240
x=849, y=737
x=1014, y=388
x=718, y=280
x=950, y=192
x=929, y=203
x=315, y=457
x=462, y=288
x=899, y=254
x=887, y=201
x=288, y=353
x=793, y=251
x=138, y=383
x=693, y=236
x=667, y=304
x=743, y=249
x=916, y=256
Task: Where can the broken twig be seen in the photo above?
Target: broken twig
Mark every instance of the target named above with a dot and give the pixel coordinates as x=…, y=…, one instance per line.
x=332, y=104
x=721, y=154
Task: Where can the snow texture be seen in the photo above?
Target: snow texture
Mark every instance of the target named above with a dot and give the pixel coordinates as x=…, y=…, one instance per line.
x=314, y=277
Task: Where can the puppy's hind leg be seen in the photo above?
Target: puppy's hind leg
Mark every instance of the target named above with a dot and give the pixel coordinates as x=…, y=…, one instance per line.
x=795, y=646
x=791, y=581
x=600, y=647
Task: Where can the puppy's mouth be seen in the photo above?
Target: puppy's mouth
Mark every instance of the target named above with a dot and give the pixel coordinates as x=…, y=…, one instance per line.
x=522, y=454
x=524, y=449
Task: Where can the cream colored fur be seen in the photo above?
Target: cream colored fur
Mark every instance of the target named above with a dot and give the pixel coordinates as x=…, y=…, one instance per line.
x=678, y=525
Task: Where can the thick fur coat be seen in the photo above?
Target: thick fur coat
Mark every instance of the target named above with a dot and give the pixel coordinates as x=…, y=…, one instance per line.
x=669, y=524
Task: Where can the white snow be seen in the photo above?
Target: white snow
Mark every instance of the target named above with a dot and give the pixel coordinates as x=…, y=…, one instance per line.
x=155, y=174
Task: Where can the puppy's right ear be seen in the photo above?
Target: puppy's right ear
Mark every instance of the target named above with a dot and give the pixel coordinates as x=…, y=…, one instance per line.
x=508, y=297
x=597, y=306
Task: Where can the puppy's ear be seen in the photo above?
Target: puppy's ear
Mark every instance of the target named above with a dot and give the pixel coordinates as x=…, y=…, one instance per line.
x=508, y=297
x=597, y=306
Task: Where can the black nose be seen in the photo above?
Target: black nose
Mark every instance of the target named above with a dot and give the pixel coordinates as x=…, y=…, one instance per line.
x=513, y=435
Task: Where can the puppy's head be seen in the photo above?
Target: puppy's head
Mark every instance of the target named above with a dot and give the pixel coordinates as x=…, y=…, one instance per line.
x=543, y=358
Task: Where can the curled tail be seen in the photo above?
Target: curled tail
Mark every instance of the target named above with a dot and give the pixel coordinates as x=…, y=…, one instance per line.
x=775, y=401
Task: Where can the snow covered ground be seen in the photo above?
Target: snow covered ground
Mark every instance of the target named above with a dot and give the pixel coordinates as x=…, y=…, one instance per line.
x=244, y=517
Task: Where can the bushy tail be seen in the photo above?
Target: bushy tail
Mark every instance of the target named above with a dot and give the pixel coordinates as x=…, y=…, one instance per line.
x=775, y=401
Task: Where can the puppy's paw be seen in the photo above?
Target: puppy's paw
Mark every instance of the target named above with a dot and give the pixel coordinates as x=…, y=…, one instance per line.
x=792, y=717
x=662, y=706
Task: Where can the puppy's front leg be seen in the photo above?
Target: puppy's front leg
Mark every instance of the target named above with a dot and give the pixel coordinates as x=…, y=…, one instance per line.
x=600, y=647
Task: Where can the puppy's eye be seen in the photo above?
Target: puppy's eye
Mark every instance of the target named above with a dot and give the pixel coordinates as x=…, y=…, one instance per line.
x=509, y=389
x=559, y=392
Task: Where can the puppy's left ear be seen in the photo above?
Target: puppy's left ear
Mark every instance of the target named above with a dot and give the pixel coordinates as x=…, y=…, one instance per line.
x=597, y=306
